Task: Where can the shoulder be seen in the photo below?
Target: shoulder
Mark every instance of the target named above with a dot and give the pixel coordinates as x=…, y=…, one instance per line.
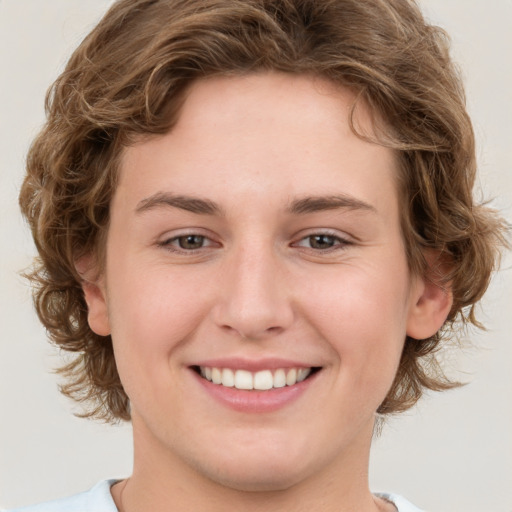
x=97, y=499
x=400, y=502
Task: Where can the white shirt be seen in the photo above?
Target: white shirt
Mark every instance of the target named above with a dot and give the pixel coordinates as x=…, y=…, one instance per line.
x=99, y=499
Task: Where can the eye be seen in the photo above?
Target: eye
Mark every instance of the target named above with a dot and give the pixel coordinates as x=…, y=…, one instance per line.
x=322, y=242
x=189, y=242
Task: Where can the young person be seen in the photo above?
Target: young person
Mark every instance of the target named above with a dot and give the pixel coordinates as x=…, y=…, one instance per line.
x=256, y=227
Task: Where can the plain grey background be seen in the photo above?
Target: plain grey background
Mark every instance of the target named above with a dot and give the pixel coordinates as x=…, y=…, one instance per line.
x=452, y=453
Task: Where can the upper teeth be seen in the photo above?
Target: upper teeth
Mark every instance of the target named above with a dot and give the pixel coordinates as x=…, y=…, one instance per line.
x=262, y=380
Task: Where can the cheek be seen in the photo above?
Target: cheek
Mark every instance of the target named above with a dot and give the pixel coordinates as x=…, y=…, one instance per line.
x=362, y=313
x=151, y=315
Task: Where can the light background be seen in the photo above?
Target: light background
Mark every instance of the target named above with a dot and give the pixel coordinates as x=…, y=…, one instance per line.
x=453, y=453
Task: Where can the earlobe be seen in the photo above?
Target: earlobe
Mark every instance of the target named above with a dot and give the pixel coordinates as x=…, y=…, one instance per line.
x=97, y=311
x=93, y=287
x=431, y=302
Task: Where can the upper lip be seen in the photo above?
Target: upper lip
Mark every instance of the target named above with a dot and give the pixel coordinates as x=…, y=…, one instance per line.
x=253, y=365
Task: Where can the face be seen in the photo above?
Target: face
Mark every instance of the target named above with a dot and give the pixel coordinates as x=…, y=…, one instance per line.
x=257, y=245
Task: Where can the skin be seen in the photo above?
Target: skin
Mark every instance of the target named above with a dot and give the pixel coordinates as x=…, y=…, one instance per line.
x=260, y=286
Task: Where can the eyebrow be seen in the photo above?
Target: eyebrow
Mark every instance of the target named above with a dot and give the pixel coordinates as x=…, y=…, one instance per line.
x=302, y=206
x=190, y=204
x=313, y=204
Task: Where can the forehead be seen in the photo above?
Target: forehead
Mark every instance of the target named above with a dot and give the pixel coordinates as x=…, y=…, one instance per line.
x=260, y=133
x=261, y=103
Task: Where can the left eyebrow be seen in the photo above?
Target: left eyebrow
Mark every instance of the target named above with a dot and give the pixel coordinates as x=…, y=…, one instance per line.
x=313, y=204
x=190, y=204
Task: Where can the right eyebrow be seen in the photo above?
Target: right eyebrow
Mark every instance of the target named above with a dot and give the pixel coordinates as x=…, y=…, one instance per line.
x=190, y=204
x=313, y=204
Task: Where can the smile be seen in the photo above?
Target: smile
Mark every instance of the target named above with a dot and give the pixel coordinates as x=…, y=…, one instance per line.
x=261, y=380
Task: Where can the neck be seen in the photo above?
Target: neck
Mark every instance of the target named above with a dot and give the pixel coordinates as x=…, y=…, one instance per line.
x=163, y=482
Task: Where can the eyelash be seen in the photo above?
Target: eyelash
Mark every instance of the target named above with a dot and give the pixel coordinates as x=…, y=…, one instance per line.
x=338, y=242
x=174, y=244
x=169, y=243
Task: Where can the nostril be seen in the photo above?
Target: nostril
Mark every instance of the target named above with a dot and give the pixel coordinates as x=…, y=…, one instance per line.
x=252, y=333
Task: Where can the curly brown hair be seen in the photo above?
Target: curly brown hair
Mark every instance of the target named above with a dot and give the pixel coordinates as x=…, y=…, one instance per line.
x=128, y=78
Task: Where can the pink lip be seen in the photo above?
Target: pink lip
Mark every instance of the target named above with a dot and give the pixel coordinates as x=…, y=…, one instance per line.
x=254, y=401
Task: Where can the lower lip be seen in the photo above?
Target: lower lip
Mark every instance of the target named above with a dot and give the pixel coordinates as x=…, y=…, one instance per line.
x=255, y=401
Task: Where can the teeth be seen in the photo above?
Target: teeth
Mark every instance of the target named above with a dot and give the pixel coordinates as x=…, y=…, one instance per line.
x=243, y=380
x=302, y=374
x=216, y=376
x=228, y=378
x=279, y=379
x=291, y=377
x=262, y=380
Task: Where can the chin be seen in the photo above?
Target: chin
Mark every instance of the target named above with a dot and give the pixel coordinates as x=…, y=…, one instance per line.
x=262, y=472
x=258, y=480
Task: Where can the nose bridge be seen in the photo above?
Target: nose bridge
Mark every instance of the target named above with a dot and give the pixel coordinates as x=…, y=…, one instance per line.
x=255, y=300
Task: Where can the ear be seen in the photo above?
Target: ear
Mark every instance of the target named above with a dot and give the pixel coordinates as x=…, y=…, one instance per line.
x=93, y=285
x=431, y=299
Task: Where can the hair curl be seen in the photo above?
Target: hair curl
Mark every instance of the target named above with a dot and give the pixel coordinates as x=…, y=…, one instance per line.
x=128, y=78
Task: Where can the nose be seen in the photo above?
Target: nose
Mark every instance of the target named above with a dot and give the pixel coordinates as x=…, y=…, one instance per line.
x=255, y=300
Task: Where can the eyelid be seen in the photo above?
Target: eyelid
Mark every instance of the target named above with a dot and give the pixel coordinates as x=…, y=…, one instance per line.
x=166, y=241
x=343, y=240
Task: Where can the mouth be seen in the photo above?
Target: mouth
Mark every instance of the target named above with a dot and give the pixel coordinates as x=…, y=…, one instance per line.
x=261, y=380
